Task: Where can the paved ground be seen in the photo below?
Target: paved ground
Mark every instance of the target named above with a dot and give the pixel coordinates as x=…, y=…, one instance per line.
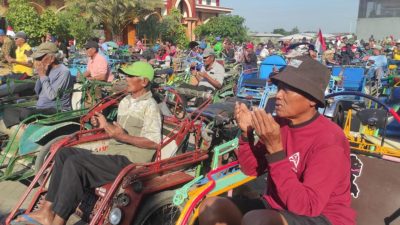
x=10, y=192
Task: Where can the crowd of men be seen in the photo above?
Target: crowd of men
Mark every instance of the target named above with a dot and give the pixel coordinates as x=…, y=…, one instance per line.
x=298, y=147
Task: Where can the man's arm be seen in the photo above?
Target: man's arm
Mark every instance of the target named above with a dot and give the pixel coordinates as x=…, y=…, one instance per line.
x=251, y=157
x=215, y=83
x=38, y=87
x=12, y=60
x=140, y=142
x=51, y=90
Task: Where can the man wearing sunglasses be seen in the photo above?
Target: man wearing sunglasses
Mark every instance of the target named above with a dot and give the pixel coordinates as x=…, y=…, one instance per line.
x=53, y=86
x=209, y=78
x=307, y=158
x=97, y=66
x=22, y=63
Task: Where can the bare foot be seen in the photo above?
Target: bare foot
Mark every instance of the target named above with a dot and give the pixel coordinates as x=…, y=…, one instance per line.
x=44, y=217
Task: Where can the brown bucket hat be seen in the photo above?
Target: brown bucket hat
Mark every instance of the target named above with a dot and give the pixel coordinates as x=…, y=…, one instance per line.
x=306, y=75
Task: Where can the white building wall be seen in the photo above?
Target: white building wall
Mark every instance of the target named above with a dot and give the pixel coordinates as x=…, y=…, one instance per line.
x=379, y=27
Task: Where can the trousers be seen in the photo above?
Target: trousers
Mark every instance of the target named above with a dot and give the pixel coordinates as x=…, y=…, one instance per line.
x=78, y=169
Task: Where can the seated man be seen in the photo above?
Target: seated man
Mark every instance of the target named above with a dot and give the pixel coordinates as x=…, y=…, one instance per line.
x=396, y=55
x=210, y=77
x=228, y=53
x=307, y=158
x=97, y=66
x=378, y=63
x=249, y=57
x=135, y=137
x=22, y=63
x=53, y=86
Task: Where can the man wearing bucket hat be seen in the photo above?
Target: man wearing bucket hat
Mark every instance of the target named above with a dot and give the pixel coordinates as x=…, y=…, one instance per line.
x=52, y=86
x=307, y=158
x=135, y=137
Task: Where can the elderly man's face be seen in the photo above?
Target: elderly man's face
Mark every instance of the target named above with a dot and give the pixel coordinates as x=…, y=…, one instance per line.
x=135, y=84
x=208, y=60
x=290, y=104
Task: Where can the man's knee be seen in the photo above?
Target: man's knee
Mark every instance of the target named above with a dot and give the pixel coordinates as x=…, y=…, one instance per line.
x=262, y=217
x=218, y=210
x=212, y=204
x=62, y=154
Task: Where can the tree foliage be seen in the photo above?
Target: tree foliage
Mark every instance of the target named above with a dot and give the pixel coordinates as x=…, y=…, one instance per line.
x=49, y=22
x=77, y=26
x=173, y=30
x=169, y=28
x=23, y=17
x=149, y=27
x=115, y=15
x=282, y=31
x=231, y=26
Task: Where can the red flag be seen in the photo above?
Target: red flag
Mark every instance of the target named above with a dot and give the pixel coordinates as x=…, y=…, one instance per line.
x=321, y=41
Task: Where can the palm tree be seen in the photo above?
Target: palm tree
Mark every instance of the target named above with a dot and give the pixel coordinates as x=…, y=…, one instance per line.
x=115, y=15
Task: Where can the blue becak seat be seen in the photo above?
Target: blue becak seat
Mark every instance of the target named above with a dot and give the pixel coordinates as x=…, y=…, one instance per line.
x=254, y=82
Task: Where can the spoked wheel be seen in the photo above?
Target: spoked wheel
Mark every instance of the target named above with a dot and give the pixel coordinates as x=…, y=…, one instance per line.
x=166, y=215
x=158, y=209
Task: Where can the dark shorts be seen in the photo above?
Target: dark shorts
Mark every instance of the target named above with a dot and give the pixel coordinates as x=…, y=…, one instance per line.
x=246, y=205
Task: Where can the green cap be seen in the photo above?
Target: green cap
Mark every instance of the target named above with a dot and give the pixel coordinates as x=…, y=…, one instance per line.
x=45, y=48
x=140, y=69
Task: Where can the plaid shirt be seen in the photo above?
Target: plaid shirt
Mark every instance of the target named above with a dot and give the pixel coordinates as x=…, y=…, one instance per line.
x=7, y=49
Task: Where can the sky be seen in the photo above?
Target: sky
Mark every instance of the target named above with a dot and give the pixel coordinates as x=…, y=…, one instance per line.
x=331, y=16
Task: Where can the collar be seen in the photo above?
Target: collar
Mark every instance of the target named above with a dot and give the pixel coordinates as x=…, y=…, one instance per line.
x=305, y=123
x=143, y=97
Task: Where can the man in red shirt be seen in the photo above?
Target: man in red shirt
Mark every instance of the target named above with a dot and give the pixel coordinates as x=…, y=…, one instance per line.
x=307, y=158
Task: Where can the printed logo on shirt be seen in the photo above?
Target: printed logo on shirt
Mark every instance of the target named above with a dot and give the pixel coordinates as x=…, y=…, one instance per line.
x=356, y=169
x=295, y=63
x=295, y=159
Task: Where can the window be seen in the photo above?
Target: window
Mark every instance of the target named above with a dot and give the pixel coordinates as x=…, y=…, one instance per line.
x=208, y=2
x=379, y=8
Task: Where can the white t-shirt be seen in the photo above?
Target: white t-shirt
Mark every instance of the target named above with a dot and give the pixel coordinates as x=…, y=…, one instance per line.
x=217, y=72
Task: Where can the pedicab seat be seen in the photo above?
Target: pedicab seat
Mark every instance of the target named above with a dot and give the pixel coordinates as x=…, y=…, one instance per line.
x=193, y=93
x=221, y=113
x=258, y=82
x=373, y=117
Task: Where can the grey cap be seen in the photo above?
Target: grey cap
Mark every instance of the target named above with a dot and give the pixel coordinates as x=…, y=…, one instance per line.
x=21, y=34
x=207, y=52
x=45, y=48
